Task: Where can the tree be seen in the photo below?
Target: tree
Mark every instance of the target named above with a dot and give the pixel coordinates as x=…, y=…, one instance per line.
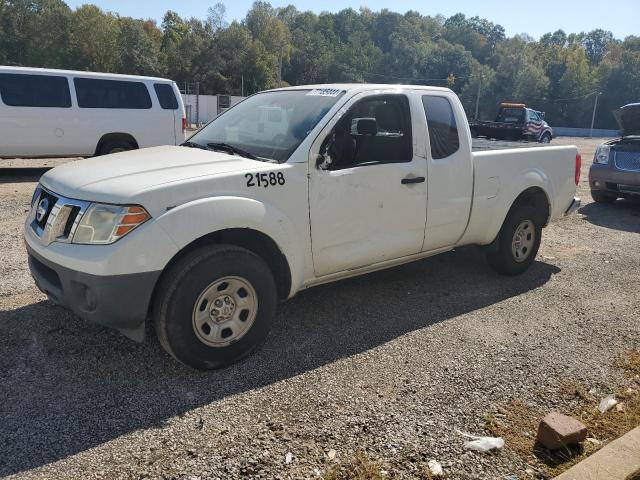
x=137, y=53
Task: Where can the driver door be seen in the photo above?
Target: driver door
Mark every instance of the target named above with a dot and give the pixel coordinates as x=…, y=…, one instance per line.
x=367, y=189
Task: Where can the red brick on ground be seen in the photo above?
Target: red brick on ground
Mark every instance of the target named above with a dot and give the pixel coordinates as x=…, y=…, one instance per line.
x=558, y=431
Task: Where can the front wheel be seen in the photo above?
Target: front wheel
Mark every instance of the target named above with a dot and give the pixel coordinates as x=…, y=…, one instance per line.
x=215, y=306
x=546, y=138
x=518, y=242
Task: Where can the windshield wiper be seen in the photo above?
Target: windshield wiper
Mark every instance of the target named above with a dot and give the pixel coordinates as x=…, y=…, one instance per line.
x=225, y=147
x=193, y=145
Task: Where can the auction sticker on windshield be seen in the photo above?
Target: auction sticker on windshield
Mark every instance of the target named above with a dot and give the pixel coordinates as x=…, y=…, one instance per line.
x=324, y=92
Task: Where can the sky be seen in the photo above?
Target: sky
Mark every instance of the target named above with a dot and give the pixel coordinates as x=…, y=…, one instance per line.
x=536, y=18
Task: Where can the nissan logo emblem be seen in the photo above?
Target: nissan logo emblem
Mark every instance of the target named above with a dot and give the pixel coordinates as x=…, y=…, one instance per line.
x=42, y=209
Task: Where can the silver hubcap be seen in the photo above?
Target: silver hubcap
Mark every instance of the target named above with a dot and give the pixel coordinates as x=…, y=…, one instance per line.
x=523, y=241
x=225, y=311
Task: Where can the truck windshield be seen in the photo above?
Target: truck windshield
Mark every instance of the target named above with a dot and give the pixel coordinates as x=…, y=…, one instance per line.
x=270, y=125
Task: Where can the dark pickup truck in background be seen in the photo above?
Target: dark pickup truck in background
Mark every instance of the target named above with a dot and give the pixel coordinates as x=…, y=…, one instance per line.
x=514, y=122
x=616, y=167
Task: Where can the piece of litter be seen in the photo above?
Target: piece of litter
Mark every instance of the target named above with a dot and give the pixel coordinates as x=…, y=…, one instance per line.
x=594, y=441
x=331, y=454
x=607, y=403
x=288, y=458
x=482, y=444
x=435, y=468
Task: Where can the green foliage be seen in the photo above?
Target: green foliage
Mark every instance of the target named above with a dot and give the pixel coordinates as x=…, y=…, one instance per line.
x=271, y=47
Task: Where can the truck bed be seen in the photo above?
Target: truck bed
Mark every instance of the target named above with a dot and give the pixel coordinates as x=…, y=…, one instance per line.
x=500, y=174
x=483, y=144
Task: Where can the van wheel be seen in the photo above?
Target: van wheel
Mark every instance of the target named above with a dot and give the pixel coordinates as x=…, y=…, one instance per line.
x=215, y=306
x=518, y=242
x=546, y=138
x=602, y=197
x=115, y=146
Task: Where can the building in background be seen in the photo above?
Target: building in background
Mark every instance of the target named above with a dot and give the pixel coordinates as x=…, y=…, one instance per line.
x=201, y=109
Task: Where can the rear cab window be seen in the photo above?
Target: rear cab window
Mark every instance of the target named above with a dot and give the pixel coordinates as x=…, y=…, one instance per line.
x=166, y=96
x=443, y=129
x=122, y=94
x=26, y=90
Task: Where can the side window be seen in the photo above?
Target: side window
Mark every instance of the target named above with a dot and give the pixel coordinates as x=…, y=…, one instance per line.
x=166, y=96
x=375, y=130
x=534, y=116
x=24, y=90
x=98, y=93
x=443, y=130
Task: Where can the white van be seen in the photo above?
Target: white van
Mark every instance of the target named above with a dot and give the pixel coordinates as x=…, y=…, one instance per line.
x=59, y=113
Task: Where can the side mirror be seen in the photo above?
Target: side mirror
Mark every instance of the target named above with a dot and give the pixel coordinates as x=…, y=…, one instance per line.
x=364, y=126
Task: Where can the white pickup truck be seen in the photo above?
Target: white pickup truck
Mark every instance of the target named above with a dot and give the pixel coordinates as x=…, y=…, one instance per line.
x=205, y=238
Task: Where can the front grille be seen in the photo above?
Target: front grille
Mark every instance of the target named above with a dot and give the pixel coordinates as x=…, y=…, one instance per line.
x=627, y=161
x=55, y=218
x=48, y=201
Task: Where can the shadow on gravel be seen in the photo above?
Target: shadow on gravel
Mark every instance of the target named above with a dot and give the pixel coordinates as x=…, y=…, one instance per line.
x=22, y=175
x=67, y=386
x=621, y=215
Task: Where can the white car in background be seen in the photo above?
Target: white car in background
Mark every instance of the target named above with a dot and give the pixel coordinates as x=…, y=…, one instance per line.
x=59, y=113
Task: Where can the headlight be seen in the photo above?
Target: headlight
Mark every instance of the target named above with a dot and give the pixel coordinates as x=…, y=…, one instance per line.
x=104, y=224
x=602, y=154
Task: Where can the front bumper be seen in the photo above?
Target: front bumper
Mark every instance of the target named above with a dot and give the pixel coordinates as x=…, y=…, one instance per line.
x=116, y=301
x=606, y=178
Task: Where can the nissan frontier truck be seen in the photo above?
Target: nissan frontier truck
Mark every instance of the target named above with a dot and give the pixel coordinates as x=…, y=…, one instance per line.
x=205, y=238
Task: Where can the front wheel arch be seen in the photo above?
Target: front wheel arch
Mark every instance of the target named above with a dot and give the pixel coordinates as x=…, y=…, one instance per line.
x=256, y=242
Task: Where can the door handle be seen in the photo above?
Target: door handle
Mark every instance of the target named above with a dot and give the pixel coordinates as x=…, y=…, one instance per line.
x=412, y=180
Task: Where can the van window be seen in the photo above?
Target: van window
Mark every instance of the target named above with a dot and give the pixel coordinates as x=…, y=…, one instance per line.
x=166, y=96
x=98, y=93
x=23, y=90
x=443, y=130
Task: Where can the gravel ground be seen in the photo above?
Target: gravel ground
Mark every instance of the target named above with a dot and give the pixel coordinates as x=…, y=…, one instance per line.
x=390, y=363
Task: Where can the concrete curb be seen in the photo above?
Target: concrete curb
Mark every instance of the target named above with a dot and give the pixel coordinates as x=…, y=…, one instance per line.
x=618, y=460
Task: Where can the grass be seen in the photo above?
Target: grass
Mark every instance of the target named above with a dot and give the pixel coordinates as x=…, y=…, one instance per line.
x=361, y=467
x=517, y=422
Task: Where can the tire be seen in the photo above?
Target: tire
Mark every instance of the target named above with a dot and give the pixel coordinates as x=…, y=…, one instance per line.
x=189, y=324
x=115, y=146
x=603, y=197
x=546, y=138
x=509, y=259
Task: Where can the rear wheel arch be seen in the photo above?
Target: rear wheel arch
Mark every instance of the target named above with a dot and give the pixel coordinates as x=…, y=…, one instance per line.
x=538, y=199
x=115, y=138
x=535, y=197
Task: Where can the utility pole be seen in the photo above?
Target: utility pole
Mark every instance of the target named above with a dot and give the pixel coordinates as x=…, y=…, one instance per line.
x=242, y=86
x=593, y=117
x=478, y=99
x=198, y=104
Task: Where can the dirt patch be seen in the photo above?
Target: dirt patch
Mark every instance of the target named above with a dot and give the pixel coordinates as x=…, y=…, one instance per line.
x=517, y=422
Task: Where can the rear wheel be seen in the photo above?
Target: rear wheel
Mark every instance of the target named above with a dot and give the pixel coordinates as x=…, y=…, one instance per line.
x=603, y=197
x=518, y=241
x=215, y=306
x=115, y=146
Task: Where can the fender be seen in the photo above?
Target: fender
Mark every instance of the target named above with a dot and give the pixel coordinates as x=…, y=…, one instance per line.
x=193, y=220
x=531, y=177
x=545, y=129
